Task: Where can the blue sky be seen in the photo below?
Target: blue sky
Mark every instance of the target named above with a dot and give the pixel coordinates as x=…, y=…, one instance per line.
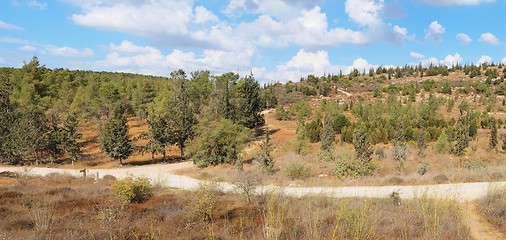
x=277, y=40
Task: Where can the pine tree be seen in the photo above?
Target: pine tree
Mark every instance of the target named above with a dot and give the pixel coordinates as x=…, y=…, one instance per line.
x=114, y=139
x=493, y=135
x=301, y=139
x=71, y=136
x=462, y=136
x=181, y=120
x=421, y=143
x=264, y=156
x=362, y=145
x=399, y=150
x=328, y=135
x=503, y=147
x=443, y=143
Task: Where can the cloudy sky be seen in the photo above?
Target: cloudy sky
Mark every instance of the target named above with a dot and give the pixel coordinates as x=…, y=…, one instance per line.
x=277, y=40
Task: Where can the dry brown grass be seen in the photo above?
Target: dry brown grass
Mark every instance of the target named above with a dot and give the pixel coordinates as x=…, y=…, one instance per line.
x=62, y=207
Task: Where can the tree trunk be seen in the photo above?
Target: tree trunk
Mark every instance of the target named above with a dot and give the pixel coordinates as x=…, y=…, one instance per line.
x=121, y=161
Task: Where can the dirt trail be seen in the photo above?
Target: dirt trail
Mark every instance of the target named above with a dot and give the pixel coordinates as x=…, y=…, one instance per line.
x=479, y=227
x=162, y=174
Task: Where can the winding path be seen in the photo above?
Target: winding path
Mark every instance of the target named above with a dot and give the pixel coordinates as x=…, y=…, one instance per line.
x=163, y=174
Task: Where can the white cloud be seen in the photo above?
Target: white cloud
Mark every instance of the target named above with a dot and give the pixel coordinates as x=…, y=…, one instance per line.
x=416, y=55
x=2, y=61
x=8, y=26
x=489, y=38
x=144, y=18
x=503, y=60
x=36, y=4
x=203, y=15
x=464, y=38
x=484, y=59
x=365, y=12
x=129, y=57
x=68, y=52
x=455, y=2
x=449, y=60
x=435, y=32
x=28, y=48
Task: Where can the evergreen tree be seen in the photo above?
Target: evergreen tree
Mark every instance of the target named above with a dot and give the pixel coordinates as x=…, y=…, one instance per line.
x=362, y=144
x=217, y=143
x=247, y=102
x=421, y=143
x=157, y=135
x=462, y=136
x=71, y=136
x=503, y=147
x=314, y=130
x=181, y=120
x=328, y=135
x=399, y=150
x=114, y=139
x=301, y=139
x=443, y=143
x=264, y=157
x=493, y=135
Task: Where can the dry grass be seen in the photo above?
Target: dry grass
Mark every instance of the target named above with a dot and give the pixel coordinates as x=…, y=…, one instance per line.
x=62, y=207
x=493, y=208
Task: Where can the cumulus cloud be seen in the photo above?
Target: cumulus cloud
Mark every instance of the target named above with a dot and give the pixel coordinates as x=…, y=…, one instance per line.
x=365, y=12
x=8, y=26
x=203, y=15
x=145, y=18
x=435, y=32
x=484, y=59
x=68, y=51
x=449, y=60
x=489, y=38
x=455, y=2
x=503, y=60
x=464, y=38
x=130, y=57
x=28, y=48
x=416, y=55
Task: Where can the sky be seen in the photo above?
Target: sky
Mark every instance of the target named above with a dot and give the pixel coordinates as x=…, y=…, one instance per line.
x=276, y=40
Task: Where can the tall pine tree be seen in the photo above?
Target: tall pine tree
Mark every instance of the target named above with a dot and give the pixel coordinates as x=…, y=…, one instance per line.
x=114, y=139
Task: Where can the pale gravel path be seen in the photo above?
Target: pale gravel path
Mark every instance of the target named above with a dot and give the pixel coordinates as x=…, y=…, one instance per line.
x=162, y=174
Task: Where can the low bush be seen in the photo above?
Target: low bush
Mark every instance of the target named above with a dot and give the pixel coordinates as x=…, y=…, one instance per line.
x=297, y=171
x=423, y=167
x=132, y=189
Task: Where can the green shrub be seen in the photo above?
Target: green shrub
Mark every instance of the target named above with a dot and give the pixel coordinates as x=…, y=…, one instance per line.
x=347, y=167
x=297, y=171
x=473, y=164
x=423, y=167
x=132, y=189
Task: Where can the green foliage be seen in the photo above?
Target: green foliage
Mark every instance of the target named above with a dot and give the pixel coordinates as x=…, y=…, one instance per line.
x=181, y=119
x=303, y=109
x=301, y=138
x=247, y=102
x=462, y=136
x=380, y=153
x=347, y=167
x=132, y=189
x=114, y=139
x=313, y=130
x=503, y=147
x=264, y=156
x=442, y=144
x=423, y=167
x=296, y=171
x=219, y=142
x=493, y=135
x=362, y=144
x=283, y=115
x=473, y=164
x=421, y=142
x=328, y=136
